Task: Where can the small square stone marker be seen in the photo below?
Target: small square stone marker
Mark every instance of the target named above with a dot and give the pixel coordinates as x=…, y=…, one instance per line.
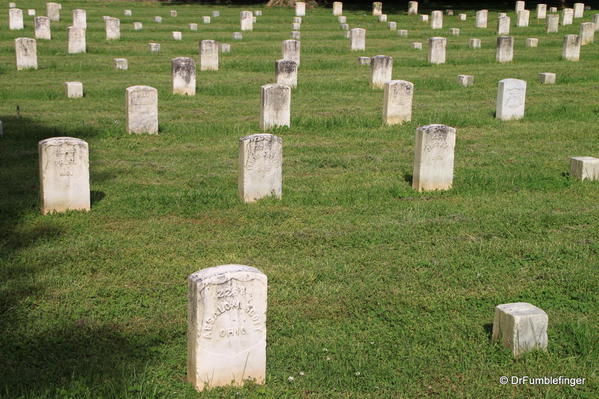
x=547, y=78
x=260, y=167
x=474, y=43
x=417, y=45
x=74, y=89
x=521, y=327
x=532, y=42
x=226, y=326
x=64, y=175
x=121, y=64
x=584, y=168
x=364, y=60
x=466, y=80
x=154, y=47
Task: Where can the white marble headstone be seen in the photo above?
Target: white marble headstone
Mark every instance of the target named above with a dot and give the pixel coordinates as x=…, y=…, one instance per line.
x=260, y=167
x=142, y=109
x=434, y=158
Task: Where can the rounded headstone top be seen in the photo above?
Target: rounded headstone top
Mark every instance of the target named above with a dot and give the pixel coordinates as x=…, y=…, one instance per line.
x=141, y=87
x=275, y=86
x=59, y=140
x=261, y=137
x=513, y=82
x=222, y=272
x=436, y=128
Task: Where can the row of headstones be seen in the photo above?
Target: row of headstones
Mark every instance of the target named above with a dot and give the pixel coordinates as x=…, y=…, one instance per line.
x=226, y=326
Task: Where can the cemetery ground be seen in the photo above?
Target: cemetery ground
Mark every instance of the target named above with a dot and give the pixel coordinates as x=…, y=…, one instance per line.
x=375, y=290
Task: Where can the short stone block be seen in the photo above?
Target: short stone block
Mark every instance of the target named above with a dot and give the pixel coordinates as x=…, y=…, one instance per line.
x=521, y=327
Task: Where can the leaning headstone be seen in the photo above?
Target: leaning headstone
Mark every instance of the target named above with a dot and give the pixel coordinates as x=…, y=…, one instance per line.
x=474, y=43
x=578, y=10
x=521, y=327
x=358, y=39
x=571, y=49
x=224, y=47
x=584, y=168
x=74, y=89
x=503, y=25
x=454, y=31
x=412, y=8
x=523, y=18
x=80, y=19
x=337, y=8
x=436, y=50
x=113, y=28
x=121, y=64
x=381, y=70
x=397, y=106
x=532, y=42
x=64, y=175
x=547, y=78
x=42, y=28
x=184, y=76
x=260, y=167
x=275, y=106
x=177, y=35
x=587, y=33
x=76, y=42
x=154, y=47
x=552, y=23
x=505, y=49
x=541, y=11
x=142, y=109
x=377, y=8
x=206, y=19
x=137, y=26
x=437, y=19
x=26, y=51
x=226, y=326
x=567, y=16
x=300, y=8
x=520, y=5
x=15, y=19
x=246, y=21
x=286, y=72
x=208, y=55
x=482, y=18
x=433, y=158
x=291, y=50
x=296, y=35
x=53, y=11
x=363, y=60
x=237, y=36
x=466, y=80
x=511, y=98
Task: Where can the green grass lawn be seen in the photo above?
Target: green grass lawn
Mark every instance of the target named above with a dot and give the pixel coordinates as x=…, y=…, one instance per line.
x=375, y=291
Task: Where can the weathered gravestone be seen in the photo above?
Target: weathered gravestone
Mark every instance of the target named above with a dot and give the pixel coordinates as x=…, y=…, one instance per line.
x=79, y=19
x=377, y=8
x=76, y=40
x=73, y=89
x=532, y=42
x=15, y=19
x=587, y=33
x=474, y=43
x=433, y=158
x=26, y=52
x=193, y=27
x=260, y=167
x=154, y=47
x=584, y=168
x=381, y=69
x=547, y=78
x=363, y=60
x=402, y=32
x=291, y=50
x=275, y=106
x=482, y=18
x=127, y=13
x=523, y=18
x=216, y=13
x=383, y=18
x=578, y=10
x=286, y=72
x=567, y=16
x=337, y=8
x=454, y=31
x=206, y=19
x=412, y=8
x=226, y=326
x=173, y=13
x=237, y=36
x=296, y=35
x=462, y=17
x=397, y=105
x=571, y=49
x=342, y=19
x=177, y=35
x=552, y=23
x=31, y=12
x=437, y=19
x=184, y=76
x=505, y=49
x=208, y=55
x=436, y=50
x=142, y=109
x=224, y=48
x=541, y=11
x=511, y=98
x=297, y=20
x=157, y=19
x=521, y=327
x=246, y=21
x=417, y=45
x=392, y=25
x=64, y=175
x=121, y=64
x=466, y=80
x=520, y=5
x=358, y=39
x=42, y=28
x=296, y=26
x=53, y=11
x=300, y=8
x=424, y=18
x=113, y=28
x=503, y=25
x=137, y=26
x=596, y=22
